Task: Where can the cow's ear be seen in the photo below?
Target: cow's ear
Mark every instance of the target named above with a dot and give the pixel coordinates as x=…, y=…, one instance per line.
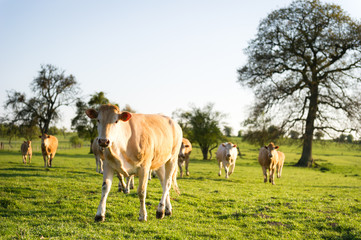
x=265, y=147
x=223, y=144
x=48, y=136
x=276, y=147
x=124, y=116
x=39, y=136
x=235, y=145
x=186, y=145
x=91, y=113
x=24, y=141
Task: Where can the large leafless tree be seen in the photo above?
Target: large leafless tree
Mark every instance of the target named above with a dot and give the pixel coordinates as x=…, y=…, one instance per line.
x=304, y=66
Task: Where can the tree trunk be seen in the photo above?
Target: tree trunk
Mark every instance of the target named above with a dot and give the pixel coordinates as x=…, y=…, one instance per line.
x=205, y=152
x=306, y=159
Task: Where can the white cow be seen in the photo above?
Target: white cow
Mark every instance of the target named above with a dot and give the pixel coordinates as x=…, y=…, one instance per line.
x=134, y=144
x=227, y=156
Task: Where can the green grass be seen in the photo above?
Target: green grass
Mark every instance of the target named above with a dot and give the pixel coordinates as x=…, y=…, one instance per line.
x=61, y=202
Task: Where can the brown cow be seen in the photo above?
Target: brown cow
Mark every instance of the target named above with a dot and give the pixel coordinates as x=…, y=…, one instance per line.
x=26, y=150
x=49, y=145
x=99, y=158
x=269, y=158
x=135, y=143
x=184, y=152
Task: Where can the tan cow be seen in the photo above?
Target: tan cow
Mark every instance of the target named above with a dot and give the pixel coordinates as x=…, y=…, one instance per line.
x=184, y=152
x=49, y=145
x=135, y=143
x=99, y=158
x=26, y=150
x=269, y=158
x=227, y=155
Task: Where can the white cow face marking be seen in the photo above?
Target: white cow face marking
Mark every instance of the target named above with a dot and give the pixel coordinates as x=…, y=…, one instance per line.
x=228, y=153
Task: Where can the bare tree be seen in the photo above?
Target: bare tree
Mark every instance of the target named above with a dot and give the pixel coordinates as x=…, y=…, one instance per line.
x=304, y=66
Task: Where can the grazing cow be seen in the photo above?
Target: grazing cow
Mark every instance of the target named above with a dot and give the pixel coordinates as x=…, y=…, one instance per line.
x=184, y=152
x=269, y=158
x=227, y=156
x=49, y=145
x=99, y=158
x=135, y=143
x=26, y=150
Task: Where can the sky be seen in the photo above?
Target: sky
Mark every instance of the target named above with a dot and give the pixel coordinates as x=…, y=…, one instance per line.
x=157, y=56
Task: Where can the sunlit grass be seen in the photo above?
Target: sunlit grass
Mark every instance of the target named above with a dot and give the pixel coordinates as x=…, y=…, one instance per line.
x=61, y=202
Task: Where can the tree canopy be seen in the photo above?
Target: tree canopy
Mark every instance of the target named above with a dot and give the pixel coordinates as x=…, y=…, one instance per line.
x=202, y=125
x=52, y=89
x=304, y=66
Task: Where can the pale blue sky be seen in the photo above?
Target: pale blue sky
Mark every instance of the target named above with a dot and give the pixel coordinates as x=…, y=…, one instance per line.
x=157, y=56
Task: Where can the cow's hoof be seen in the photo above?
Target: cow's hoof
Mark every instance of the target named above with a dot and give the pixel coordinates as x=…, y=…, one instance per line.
x=168, y=212
x=126, y=191
x=99, y=218
x=187, y=173
x=142, y=219
x=160, y=215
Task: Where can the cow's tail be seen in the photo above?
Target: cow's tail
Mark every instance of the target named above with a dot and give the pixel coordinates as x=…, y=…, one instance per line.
x=174, y=180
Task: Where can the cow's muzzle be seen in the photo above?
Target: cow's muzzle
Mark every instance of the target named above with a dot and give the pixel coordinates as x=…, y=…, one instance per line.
x=103, y=142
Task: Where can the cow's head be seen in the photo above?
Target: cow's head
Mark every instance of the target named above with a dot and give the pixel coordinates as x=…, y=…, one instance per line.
x=109, y=118
x=228, y=146
x=44, y=137
x=272, y=149
x=183, y=150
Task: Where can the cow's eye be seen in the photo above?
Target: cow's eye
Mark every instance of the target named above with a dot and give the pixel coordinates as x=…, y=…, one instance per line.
x=98, y=121
x=116, y=121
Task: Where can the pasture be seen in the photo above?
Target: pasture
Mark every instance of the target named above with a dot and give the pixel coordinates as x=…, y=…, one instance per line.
x=61, y=202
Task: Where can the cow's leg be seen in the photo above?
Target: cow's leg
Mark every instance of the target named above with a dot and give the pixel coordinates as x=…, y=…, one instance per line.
x=149, y=176
x=187, y=163
x=231, y=168
x=121, y=184
x=30, y=155
x=101, y=165
x=51, y=159
x=131, y=182
x=107, y=183
x=180, y=163
x=220, y=168
x=164, y=207
x=45, y=160
x=24, y=159
x=280, y=171
x=142, y=192
x=97, y=165
x=272, y=175
x=264, y=173
x=225, y=169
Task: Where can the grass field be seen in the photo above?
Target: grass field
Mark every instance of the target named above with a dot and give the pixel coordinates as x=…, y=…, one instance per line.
x=61, y=202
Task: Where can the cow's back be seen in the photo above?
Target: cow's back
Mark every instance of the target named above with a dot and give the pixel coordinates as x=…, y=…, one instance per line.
x=153, y=137
x=281, y=158
x=263, y=158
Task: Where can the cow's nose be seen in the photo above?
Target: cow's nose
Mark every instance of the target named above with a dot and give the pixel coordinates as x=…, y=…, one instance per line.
x=103, y=142
x=270, y=155
x=228, y=155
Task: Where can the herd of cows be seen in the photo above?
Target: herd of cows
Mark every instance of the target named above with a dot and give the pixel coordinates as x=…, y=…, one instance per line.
x=133, y=143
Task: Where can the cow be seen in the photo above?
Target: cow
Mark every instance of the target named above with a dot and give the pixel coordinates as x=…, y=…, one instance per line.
x=227, y=155
x=49, y=145
x=99, y=158
x=184, y=152
x=26, y=151
x=270, y=159
x=135, y=143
